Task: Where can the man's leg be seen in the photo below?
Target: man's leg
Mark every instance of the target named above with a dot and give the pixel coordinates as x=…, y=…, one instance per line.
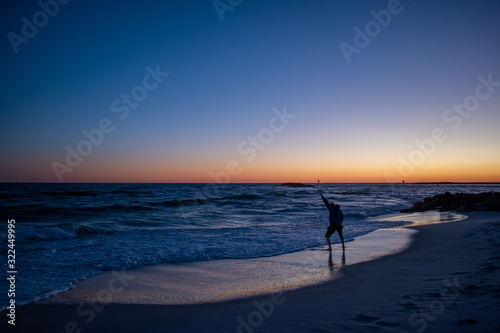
x=328, y=234
x=339, y=230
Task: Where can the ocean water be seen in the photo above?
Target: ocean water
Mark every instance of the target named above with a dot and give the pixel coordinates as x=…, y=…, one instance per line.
x=66, y=232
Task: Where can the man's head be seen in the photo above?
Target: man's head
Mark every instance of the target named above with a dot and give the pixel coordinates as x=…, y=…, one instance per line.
x=337, y=207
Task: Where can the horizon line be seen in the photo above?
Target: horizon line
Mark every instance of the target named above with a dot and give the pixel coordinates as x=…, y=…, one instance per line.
x=230, y=183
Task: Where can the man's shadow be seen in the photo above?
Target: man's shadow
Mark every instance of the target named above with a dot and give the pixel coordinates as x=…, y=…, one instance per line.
x=330, y=261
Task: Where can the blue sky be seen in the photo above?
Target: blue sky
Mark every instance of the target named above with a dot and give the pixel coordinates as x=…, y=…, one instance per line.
x=353, y=120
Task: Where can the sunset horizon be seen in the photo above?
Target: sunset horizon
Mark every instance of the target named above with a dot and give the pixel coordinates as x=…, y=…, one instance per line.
x=342, y=92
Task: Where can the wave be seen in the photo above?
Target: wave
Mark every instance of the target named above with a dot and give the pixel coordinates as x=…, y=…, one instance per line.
x=31, y=210
x=19, y=207
x=290, y=210
x=58, y=231
x=199, y=201
x=243, y=197
x=42, y=209
x=180, y=203
x=302, y=192
x=121, y=208
x=45, y=233
x=37, y=208
x=127, y=192
x=360, y=192
x=355, y=216
x=82, y=193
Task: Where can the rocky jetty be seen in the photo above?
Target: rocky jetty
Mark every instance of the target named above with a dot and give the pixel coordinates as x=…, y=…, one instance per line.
x=461, y=202
x=296, y=185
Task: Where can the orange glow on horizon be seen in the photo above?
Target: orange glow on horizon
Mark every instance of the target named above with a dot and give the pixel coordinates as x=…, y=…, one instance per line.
x=268, y=169
x=157, y=172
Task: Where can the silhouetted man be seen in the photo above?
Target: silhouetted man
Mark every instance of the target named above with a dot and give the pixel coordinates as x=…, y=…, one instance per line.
x=336, y=218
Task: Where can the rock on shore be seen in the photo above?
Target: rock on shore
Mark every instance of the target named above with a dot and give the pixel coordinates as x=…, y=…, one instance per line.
x=461, y=202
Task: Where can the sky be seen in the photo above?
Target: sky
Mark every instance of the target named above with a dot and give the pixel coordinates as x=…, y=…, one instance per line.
x=250, y=91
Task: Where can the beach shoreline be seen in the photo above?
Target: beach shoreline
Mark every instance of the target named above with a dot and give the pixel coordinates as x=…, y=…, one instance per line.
x=227, y=279
x=446, y=280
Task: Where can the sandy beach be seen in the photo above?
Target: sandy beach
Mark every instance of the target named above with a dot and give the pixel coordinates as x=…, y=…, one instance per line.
x=445, y=281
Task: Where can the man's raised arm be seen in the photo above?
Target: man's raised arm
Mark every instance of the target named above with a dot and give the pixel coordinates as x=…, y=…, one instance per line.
x=324, y=200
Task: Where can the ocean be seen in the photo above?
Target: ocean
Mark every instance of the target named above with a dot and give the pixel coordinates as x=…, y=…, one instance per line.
x=67, y=232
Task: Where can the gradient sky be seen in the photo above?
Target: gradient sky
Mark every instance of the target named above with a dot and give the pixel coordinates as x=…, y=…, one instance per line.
x=354, y=122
